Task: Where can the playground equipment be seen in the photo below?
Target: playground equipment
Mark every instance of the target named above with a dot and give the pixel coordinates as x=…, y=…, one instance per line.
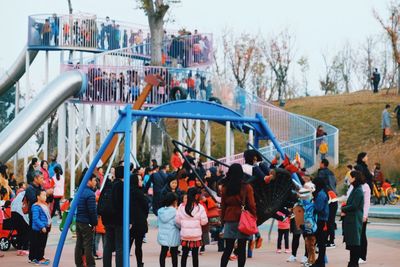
x=85, y=83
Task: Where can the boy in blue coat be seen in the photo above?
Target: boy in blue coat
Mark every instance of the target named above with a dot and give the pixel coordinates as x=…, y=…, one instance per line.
x=41, y=222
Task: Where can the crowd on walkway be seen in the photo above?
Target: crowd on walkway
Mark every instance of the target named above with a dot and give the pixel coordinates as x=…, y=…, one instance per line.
x=184, y=47
x=190, y=217
x=127, y=85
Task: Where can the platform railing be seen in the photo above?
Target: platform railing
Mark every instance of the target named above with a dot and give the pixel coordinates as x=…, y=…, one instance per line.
x=119, y=85
x=87, y=32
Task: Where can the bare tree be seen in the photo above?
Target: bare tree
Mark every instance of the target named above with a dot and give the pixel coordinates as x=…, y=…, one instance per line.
x=391, y=27
x=240, y=54
x=345, y=64
x=304, y=68
x=258, y=75
x=329, y=82
x=155, y=11
x=279, y=55
x=69, y=7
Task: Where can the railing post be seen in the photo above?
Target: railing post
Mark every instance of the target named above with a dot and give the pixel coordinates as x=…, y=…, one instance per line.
x=336, y=144
x=228, y=140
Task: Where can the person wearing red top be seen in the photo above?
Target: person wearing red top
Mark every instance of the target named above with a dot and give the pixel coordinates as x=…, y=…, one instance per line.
x=234, y=193
x=283, y=231
x=176, y=160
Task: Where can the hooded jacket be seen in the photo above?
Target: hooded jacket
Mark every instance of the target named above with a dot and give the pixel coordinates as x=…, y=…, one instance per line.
x=168, y=231
x=191, y=226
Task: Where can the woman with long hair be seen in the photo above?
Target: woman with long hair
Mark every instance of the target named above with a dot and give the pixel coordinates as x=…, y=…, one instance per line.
x=362, y=166
x=234, y=193
x=59, y=184
x=352, y=214
x=191, y=216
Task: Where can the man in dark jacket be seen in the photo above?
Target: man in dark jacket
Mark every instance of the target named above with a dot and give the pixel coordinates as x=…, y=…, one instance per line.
x=158, y=180
x=86, y=220
x=376, y=78
x=327, y=175
x=31, y=194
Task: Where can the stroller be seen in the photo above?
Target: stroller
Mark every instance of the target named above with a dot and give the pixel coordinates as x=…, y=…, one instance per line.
x=8, y=236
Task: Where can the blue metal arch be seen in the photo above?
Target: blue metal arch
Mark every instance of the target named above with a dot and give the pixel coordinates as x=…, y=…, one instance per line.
x=205, y=108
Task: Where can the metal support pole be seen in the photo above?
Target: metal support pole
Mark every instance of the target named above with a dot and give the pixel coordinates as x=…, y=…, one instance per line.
x=62, y=118
x=104, y=125
x=83, y=134
x=72, y=144
x=134, y=142
x=232, y=149
x=16, y=113
x=208, y=137
x=336, y=144
x=251, y=137
x=28, y=93
x=228, y=140
x=198, y=137
x=92, y=138
x=180, y=130
x=125, y=221
x=46, y=124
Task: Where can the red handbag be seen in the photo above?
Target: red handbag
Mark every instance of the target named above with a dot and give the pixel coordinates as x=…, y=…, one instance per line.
x=248, y=222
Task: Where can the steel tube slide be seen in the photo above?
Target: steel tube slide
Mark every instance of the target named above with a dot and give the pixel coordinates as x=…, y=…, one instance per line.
x=18, y=132
x=17, y=70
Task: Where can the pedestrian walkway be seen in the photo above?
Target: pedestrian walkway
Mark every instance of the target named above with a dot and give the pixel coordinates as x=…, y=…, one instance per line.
x=383, y=247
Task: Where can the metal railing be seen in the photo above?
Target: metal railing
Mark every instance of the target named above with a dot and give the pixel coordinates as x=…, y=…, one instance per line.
x=87, y=32
x=122, y=85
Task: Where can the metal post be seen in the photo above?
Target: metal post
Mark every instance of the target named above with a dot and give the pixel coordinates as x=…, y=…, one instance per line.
x=232, y=149
x=228, y=140
x=251, y=137
x=104, y=125
x=208, y=137
x=125, y=221
x=46, y=124
x=28, y=93
x=72, y=144
x=16, y=113
x=134, y=142
x=180, y=130
x=62, y=117
x=336, y=144
x=198, y=138
x=92, y=145
x=83, y=134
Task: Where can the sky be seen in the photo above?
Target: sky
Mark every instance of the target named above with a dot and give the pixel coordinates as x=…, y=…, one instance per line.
x=319, y=26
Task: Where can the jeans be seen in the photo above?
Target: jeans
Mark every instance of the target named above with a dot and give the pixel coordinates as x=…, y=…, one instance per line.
x=84, y=244
x=109, y=246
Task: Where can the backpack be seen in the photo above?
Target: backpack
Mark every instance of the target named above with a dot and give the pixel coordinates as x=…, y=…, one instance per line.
x=310, y=218
x=104, y=206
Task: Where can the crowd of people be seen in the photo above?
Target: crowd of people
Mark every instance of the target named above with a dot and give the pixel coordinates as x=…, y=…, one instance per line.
x=183, y=48
x=127, y=85
x=189, y=216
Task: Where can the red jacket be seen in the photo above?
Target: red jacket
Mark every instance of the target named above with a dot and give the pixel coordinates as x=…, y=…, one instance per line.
x=231, y=206
x=176, y=161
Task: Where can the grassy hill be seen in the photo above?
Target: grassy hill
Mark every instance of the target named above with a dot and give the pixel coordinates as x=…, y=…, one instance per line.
x=358, y=117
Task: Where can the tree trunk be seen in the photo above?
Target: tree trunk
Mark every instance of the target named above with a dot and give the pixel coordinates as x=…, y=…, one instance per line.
x=70, y=7
x=157, y=36
x=398, y=78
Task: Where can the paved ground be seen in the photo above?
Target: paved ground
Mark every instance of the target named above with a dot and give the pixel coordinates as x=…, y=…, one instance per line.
x=384, y=244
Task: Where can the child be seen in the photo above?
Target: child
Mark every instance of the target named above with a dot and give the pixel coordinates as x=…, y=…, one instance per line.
x=168, y=233
x=323, y=148
x=309, y=229
x=191, y=217
x=41, y=222
x=283, y=231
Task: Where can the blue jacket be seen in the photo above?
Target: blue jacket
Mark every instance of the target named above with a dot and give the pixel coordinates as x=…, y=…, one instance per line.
x=321, y=206
x=168, y=231
x=39, y=218
x=385, y=123
x=86, y=211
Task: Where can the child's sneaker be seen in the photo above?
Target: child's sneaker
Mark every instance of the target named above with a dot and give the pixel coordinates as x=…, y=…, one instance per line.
x=304, y=259
x=168, y=254
x=287, y=251
x=291, y=259
x=251, y=245
x=278, y=251
x=42, y=262
x=259, y=241
x=233, y=257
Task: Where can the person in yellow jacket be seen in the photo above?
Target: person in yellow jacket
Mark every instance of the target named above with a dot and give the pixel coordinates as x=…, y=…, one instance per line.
x=323, y=149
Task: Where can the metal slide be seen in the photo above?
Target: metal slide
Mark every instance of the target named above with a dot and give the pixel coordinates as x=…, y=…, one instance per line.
x=28, y=121
x=17, y=70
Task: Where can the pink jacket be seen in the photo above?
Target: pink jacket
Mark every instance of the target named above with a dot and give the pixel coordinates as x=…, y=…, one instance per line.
x=285, y=224
x=191, y=226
